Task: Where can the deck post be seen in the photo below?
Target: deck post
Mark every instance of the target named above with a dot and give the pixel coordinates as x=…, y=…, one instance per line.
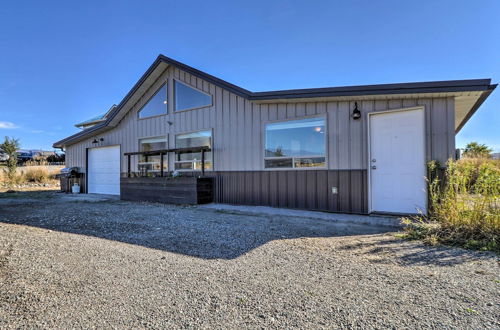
x=202, y=162
x=128, y=166
x=161, y=164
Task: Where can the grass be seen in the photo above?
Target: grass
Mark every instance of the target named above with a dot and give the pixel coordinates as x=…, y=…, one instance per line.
x=31, y=174
x=28, y=195
x=471, y=311
x=464, y=207
x=38, y=175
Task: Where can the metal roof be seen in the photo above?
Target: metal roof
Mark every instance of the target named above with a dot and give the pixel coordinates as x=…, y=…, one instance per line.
x=482, y=85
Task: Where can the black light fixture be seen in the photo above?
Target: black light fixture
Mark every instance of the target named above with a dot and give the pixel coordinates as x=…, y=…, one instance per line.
x=356, y=114
x=95, y=141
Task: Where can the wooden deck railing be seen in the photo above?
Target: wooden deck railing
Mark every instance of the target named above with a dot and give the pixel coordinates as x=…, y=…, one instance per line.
x=166, y=152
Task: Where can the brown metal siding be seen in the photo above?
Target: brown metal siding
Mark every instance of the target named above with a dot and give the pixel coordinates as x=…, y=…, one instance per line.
x=295, y=189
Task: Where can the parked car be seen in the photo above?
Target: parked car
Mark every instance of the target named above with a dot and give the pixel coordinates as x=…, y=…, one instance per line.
x=24, y=156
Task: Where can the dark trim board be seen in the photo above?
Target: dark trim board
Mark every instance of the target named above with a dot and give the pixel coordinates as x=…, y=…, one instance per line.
x=310, y=190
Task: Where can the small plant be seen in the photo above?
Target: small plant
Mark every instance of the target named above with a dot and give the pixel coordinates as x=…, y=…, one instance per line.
x=471, y=311
x=9, y=147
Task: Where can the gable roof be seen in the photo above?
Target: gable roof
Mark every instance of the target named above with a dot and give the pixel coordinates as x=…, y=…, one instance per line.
x=450, y=86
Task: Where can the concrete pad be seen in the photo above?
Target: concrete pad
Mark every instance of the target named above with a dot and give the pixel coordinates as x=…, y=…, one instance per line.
x=373, y=220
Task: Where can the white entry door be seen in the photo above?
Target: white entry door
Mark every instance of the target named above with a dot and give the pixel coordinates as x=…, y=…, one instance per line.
x=397, y=162
x=104, y=170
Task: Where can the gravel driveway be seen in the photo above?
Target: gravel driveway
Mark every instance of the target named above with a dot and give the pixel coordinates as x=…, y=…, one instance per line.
x=68, y=263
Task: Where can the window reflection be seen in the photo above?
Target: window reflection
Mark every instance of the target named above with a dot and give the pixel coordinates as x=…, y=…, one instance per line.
x=192, y=160
x=295, y=144
x=157, y=104
x=187, y=97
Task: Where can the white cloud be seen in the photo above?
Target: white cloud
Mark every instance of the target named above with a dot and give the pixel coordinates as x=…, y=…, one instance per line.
x=7, y=125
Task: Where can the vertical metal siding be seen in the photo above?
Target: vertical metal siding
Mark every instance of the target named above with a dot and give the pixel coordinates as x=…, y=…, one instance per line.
x=238, y=124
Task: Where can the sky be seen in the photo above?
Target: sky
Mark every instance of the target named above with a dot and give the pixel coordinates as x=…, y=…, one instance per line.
x=62, y=62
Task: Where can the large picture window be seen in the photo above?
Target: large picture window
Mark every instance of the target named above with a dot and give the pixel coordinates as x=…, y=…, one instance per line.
x=157, y=104
x=295, y=144
x=152, y=163
x=187, y=97
x=191, y=161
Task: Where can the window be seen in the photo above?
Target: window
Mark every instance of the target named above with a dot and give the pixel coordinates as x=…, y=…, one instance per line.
x=152, y=163
x=157, y=104
x=187, y=97
x=295, y=144
x=192, y=160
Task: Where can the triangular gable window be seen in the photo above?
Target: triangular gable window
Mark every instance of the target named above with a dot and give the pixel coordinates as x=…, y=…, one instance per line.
x=157, y=104
x=187, y=97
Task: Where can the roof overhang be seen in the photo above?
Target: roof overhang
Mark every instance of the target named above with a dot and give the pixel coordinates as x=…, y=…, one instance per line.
x=470, y=94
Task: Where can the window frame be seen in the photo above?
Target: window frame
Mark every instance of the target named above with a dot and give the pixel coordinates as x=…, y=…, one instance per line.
x=293, y=168
x=211, y=130
x=164, y=83
x=165, y=161
x=174, y=103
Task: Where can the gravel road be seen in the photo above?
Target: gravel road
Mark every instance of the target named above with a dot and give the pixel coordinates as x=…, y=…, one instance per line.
x=73, y=263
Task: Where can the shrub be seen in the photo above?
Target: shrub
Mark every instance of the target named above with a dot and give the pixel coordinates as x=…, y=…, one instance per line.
x=56, y=158
x=9, y=147
x=38, y=175
x=465, y=210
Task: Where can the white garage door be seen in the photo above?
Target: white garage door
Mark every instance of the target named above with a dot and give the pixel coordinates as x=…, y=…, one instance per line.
x=104, y=170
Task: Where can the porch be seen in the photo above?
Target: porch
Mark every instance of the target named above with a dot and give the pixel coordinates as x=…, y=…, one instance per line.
x=174, y=187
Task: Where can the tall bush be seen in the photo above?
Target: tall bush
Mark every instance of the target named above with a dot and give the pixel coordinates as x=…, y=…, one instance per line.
x=9, y=147
x=465, y=207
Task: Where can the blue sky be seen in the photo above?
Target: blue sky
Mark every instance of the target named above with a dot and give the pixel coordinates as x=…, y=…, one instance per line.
x=65, y=61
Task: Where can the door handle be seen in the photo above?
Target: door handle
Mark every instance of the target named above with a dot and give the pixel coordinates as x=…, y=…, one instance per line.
x=374, y=167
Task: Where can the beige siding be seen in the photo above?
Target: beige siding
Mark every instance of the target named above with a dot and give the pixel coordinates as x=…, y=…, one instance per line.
x=237, y=126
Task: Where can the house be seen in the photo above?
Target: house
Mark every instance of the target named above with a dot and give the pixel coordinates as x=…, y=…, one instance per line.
x=357, y=149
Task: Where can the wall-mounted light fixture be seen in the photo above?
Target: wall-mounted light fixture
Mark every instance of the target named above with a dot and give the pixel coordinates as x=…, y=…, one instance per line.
x=356, y=114
x=95, y=141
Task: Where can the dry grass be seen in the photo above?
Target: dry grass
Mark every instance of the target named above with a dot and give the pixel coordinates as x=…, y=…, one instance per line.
x=32, y=174
x=465, y=211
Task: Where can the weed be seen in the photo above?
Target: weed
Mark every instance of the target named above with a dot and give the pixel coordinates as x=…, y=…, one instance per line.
x=464, y=206
x=471, y=311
